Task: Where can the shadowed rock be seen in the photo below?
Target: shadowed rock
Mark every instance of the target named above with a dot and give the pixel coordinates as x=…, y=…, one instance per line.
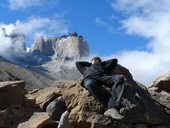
x=12, y=93
x=12, y=102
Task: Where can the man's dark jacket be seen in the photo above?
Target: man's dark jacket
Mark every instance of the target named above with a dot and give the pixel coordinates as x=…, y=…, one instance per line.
x=89, y=70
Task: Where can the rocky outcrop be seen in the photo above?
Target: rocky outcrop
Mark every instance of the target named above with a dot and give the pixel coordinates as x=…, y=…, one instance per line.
x=43, y=108
x=44, y=45
x=55, y=55
x=12, y=102
x=70, y=48
x=65, y=48
x=16, y=111
x=160, y=92
x=163, y=82
x=162, y=98
x=12, y=93
x=86, y=112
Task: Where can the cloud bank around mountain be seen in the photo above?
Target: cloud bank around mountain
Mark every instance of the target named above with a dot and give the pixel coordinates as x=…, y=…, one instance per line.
x=14, y=36
x=147, y=19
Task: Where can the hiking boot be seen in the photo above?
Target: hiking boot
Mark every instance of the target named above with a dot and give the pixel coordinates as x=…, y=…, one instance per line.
x=113, y=113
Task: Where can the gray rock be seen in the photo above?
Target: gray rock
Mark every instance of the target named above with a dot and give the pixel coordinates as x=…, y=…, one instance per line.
x=113, y=113
x=163, y=82
x=162, y=98
x=56, y=108
x=64, y=121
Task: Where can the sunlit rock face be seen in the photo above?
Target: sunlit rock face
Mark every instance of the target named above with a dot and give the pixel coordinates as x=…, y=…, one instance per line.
x=64, y=48
x=56, y=56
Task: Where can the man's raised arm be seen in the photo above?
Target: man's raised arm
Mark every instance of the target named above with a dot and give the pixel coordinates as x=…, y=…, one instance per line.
x=81, y=66
x=110, y=64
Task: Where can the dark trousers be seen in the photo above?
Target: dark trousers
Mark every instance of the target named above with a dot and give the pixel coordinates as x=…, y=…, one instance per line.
x=116, y=82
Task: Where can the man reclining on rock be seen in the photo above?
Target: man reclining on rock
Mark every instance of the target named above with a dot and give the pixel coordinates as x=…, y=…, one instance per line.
x=96, y=74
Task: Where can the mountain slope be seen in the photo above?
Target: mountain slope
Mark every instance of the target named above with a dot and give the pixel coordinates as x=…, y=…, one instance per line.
x=33, y=80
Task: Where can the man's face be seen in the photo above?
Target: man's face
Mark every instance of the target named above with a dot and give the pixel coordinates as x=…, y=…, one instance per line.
x=95, y=61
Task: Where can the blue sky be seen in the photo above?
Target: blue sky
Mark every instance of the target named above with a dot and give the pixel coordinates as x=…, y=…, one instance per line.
x=137, y=32
x=97, y=21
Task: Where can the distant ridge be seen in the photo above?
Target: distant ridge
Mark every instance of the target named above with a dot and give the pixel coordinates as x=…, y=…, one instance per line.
x=12, y=72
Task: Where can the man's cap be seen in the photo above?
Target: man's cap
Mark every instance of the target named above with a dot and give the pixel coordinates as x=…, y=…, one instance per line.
x=97, y=58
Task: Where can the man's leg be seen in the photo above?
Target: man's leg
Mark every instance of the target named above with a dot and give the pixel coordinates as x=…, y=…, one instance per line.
x=117, y=83
x=117, y=92
x=97, y=91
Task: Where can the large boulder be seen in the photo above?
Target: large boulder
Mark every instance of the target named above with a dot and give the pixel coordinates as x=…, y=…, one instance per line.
x=56, y=108
x=12, y=102
x=64, y=121
x=86, y=112
x=163, y=82
x=12, y=93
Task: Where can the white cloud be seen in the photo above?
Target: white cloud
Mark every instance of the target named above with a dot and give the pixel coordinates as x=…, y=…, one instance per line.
x=148, y=19
x=113, y=17
x=22, y=4
x=141, y=6
x=104, y=24
x=40, y=25
x=12, y=44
